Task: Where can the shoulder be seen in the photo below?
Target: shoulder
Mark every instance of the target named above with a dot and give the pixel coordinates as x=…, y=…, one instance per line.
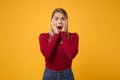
x=44, y=35
x=73, y=34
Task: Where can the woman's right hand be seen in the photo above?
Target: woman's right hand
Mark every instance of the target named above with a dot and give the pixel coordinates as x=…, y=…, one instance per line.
x=54, y=27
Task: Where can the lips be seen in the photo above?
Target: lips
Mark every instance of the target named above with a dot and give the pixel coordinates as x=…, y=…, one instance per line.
x=59, y=27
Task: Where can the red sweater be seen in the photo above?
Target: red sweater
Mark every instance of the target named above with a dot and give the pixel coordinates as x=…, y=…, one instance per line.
x=60, y=51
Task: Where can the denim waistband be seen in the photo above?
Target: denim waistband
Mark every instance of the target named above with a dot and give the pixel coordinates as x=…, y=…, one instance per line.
x=62, y=72
x=58, y=75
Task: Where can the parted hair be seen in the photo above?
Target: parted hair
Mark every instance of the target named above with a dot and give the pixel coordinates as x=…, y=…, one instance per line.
x=62, y=11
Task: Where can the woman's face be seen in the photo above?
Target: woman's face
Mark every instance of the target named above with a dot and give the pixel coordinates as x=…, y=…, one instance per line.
x=59, y=20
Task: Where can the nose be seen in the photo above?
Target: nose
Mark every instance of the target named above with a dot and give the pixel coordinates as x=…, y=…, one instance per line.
x=59, y=21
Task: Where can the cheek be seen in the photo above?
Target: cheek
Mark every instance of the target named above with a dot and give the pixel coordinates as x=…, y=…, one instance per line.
x=63, y=22
x=54, y=21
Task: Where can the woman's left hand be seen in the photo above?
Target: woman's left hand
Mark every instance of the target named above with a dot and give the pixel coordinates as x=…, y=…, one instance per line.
x=65, y=27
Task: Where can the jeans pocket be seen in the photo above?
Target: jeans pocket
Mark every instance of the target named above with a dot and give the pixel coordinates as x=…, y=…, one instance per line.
x=68, y=75
x=49, y=75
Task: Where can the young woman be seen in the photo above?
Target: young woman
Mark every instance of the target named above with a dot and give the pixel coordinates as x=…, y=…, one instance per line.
x=59, y=47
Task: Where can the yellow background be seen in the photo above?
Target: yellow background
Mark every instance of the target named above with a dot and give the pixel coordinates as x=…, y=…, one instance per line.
x=96, y=21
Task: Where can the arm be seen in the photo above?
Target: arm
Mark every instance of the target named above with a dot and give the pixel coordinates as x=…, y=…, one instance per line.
x=47, y=48
x=70, y=45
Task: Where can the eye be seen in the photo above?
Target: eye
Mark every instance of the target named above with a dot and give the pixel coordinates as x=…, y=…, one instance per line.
x=63, y=18
x=56, y=18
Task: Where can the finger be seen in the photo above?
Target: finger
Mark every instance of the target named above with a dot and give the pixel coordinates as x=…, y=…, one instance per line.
x=63, y=29
x=66, y=23
x=52, y=24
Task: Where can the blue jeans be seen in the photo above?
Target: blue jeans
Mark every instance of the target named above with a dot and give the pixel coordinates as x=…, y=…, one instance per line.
x=58, y=75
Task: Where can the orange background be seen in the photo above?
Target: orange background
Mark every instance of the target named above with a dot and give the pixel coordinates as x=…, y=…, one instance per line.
x=96, y=21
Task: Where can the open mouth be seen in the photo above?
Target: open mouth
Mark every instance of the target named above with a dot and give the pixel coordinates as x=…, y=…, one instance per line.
x=59, y=27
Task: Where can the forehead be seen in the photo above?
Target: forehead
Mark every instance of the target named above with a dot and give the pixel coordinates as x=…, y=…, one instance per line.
x=58, y=14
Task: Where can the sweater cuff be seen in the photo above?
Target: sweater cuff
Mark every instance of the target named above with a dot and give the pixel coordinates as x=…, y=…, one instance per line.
x=63, y=33
x=56, y=35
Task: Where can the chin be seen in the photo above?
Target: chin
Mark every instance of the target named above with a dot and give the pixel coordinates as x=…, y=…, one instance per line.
x=59, y=31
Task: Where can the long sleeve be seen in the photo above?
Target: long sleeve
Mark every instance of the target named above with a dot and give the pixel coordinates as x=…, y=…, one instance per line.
x=47, y=47
x=70, y=45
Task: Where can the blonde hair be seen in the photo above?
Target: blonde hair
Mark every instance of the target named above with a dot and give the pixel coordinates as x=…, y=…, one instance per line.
x=62, y=11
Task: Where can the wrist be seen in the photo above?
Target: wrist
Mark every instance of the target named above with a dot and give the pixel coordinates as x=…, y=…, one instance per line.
x=56, y=33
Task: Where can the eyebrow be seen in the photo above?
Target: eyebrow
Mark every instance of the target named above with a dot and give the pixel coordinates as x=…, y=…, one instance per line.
x=61, y=17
